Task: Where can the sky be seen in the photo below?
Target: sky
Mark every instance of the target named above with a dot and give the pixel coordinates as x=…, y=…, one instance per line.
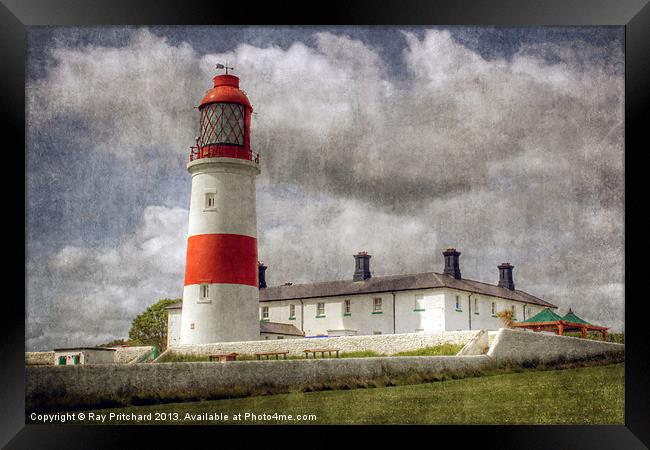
x=505, y=143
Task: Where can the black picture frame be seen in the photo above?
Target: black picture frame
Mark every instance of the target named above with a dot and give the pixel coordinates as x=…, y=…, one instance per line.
x=16, y=15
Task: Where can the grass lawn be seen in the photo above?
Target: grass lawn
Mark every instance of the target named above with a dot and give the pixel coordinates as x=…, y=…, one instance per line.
x=588, y=395
x=437, y=350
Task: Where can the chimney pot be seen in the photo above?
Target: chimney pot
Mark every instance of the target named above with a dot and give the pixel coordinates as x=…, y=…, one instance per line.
x=261, y=274
x=362, y=266
x=505, y=276
x=452, y=264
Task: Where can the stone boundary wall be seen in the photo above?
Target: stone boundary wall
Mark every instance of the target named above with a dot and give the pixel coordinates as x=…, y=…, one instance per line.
x=88, y=386
x=385, y=344
x=130, y=355
x=39, y=358
x=54, y=388
x=522, y=347
x=123, y=355
x=477, y=345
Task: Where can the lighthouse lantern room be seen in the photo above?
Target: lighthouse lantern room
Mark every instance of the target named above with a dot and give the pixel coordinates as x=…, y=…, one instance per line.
x=220, y=296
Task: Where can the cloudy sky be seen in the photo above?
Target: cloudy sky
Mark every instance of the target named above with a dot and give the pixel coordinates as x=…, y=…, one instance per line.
x=504, y=143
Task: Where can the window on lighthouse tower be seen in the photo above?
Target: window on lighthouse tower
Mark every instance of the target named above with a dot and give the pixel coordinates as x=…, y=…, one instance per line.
x=210, y=198
x=223, y=123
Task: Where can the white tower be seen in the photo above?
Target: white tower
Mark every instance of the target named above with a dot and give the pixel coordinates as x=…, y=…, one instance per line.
x=221, y=293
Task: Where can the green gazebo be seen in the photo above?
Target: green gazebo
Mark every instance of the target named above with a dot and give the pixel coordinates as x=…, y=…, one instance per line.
x=548, y=320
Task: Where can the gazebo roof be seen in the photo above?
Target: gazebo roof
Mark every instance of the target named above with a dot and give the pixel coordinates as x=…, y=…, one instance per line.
x=571, y=317
x=545, y=315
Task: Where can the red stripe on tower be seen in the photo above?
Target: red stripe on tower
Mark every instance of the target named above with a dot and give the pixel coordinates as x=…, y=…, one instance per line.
x=221, y=258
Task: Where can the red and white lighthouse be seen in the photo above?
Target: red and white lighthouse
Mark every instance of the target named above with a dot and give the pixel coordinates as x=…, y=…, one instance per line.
x=221, y=293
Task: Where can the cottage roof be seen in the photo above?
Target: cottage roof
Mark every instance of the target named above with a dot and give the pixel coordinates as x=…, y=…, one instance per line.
x=394, y=283
x=67, y=349
x=280, y=328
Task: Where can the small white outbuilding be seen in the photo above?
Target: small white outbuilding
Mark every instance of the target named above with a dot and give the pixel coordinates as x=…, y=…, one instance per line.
x=83, y=355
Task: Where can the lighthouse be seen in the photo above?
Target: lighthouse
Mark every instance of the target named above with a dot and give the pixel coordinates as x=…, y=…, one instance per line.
x=221, y=291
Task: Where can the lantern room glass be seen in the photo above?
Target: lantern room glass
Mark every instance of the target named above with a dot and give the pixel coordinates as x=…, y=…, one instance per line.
x=223, y=123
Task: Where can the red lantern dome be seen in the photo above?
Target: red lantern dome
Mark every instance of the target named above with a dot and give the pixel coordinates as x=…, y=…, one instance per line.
x=225, y=122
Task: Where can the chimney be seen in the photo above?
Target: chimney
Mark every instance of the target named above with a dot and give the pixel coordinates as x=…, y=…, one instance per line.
x=452, y=267
x=261, y=272
x=505, y=276
x=361, y=266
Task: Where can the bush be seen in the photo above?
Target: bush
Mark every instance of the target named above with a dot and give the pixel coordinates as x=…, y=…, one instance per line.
x=618, y=338
x=172, y=357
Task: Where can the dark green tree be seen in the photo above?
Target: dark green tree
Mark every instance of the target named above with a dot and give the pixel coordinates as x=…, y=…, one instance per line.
x=115, y=343
x=150, y=327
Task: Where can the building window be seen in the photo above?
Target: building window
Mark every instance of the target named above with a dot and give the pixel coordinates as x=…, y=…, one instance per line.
x=494, y=309
x=475, y=305
x=210, y=200
x=265, y=313
x=320, y=309
x=376, y=332
x=419, y=330
x=376, y=305
x=205, y=291
x=419, y=303
x=292, y=311
x=347, y=308
x=458, y=303
x=514, y=313
x=280, y=337
x=192, y=326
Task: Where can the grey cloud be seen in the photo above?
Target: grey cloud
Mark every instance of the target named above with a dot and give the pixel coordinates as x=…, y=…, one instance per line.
x=518, y=159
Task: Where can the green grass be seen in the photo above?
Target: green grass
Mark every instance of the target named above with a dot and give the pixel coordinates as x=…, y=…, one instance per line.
x=587, y=395
x=438, y=350
x=360, y=354
x=176, y=357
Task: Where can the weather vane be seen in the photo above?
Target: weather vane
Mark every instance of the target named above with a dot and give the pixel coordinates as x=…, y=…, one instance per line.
x=222, y=66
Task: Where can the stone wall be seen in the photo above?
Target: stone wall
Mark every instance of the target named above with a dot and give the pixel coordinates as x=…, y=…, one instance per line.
x=477, y=345
x=385, y=344
x=39, y=358
x=521, y=347
x=78, y=387
x=130, y=355
x=122, y=355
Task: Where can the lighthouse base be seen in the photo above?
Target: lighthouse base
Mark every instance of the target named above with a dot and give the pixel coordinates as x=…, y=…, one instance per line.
x=229, y=313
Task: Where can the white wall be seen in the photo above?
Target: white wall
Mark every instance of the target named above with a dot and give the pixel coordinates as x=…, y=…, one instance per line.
x=387, y=344
x=279, y=312
x=410, y=320
x=229, y=314
x=485, y=320
x=173, y=327
x=233, y=183
x=439, y=313
x=87, y=356
x=360, y=321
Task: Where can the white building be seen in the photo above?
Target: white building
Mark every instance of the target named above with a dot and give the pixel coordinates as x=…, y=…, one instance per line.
x=413, y=303
x=83, y=355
